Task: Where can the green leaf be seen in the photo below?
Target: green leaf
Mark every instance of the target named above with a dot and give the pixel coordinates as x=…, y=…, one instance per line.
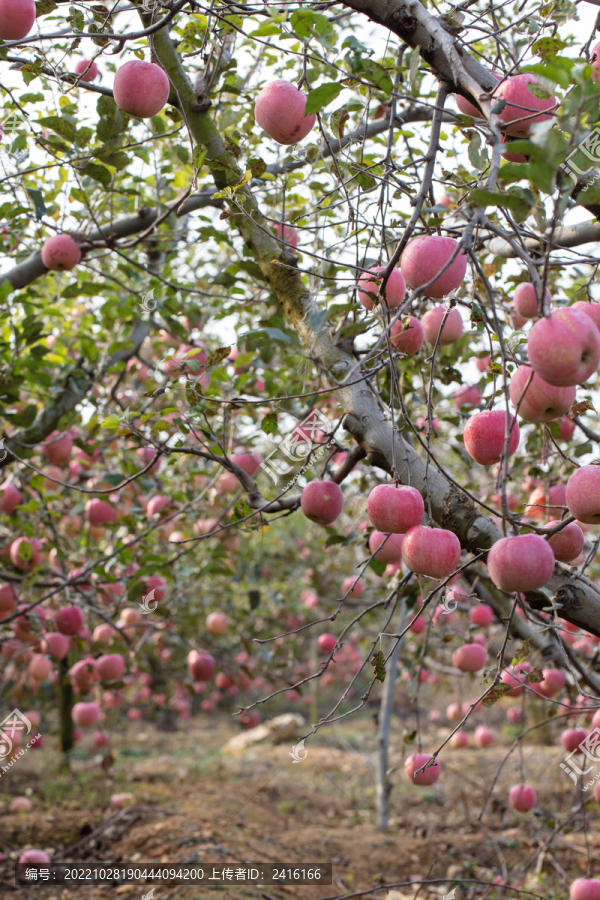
x=496, y=694
x=240, y=510
x=377, y=75
x=378, y=566
x=378, y=663
x=316, y=320
x=257, y=166
x=59, y=125
x=111, y=422
x=217, y=356
x=481, y=197
x=269, y=422
x=274, y=333
x=337, y=121
x=98, y=173
x=38, y=201
x=322, y=96
x=254, y=598
x=43, y=7
x=522, y=654
x=307, y=24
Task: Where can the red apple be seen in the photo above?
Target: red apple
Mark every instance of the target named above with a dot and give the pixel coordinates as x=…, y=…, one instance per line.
x=159, y=503
x=551, y=504
x=56, y=644
x=391, y=552
x=146, y=455
x=434, y=552
x=524, y=562
x=485, y=436
x=453, y=712
x=61, y=253
x=326, y=643
x=84, y=675
x=425, y=256
x=523, y=108
x=16, y=19
x=322, y=501
x=567, y=544
x=111, y=667
x=484, y=737
x=586, y=888
x=564, y=349
x=535, y=399
x=353, y=591
x=201, y=665
x=515, y=676
x=468, y=396
x=482, y=615
x=8, y=601
x=554, y=681
x=39, y=667
x=571, y=738
x=566, y=427
x=86, y=715
x=469, y=658
x=290, y=236
x=525, y=300
x=394, y=509
x=69, y=619
x=10, y=498
x=582, y=497
x=406, y=335
x=88, y=69
x=248, y=461
x=217, y=622
x=141, y=88
x=99, y=512
x=459, y=740
x=590, y=309
x=432, y=322
x=33, y=857
x=279, y=110
x=428, y=776
x=522, y=797
x=369, y=285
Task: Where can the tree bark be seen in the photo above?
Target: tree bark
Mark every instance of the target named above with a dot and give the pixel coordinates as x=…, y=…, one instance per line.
x=384, y=785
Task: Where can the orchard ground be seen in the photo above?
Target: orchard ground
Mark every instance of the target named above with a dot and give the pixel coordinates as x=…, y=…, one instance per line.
x=196, y=804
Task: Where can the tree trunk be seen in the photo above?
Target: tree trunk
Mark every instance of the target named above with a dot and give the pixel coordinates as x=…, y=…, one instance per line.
x=314, y=685
x=65, y=711
x=384, y=785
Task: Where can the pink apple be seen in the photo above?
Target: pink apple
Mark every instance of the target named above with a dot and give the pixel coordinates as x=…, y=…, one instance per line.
x=524, y=562
x=566, y=427
x=100, y=739
x=39, y=667
x=536, y=399
x=484, y=737
x=582, y=494
x=406, y=335
x=564, y=349
x=248, y=461
x=394, y=509
x=10, y=498
x=279, y=110
x=432, y=322
x=99, y=512
x=453, y=712
x=27, y=627
x=516, y=321
x=522, y=797
x=20, y=804
x=554, y=681
x=369, y=285
x=61, y=253
x=515, y=676
x=567, y=544
x=485, y=436
x=354, y=591
x=511, y=156
x=551, y=505
x=425, y=256
x=141, y=88
x=217, y=622
x=467, y=108
x=69, y=619
x=158, y=585
x=33, y=857
x=418, y=625
x=482, y=615
x=250, y=718
x=120, y=801
x=86, y=715
x=57, y=450
x=146, y=455
x=326, y=643
x=469, y=658
x=201, y=665
x=483, y=363
x=88, y=69
x=523, y=108
x=525, y=300
x=34, y=717
x=571, y=738
x=322, y=501
x=514, y=714
x=434, y=552
x=428, y=776
x=290, y=236
x=8, y=601
x=391, y=552
x=24, y=557
x=56, y=644
x=585, y=888
x=459, y=740
x=84, y=675
x=590, y=309
x=111, y=667
x=134, y=715
x=16, y=19
x=103, y=634
x=468, y=396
